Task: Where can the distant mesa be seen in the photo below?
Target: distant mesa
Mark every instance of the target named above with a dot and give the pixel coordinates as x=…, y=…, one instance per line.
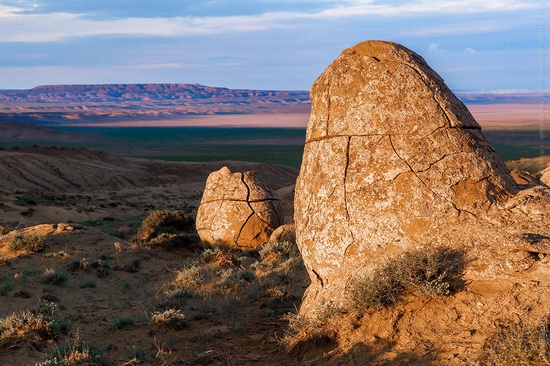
x=72, y=103
x=237, y=210
x=394, y=161
x=135, y=92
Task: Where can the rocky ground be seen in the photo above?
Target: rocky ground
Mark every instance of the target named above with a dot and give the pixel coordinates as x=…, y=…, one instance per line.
x=86, y=291
x=108, y=295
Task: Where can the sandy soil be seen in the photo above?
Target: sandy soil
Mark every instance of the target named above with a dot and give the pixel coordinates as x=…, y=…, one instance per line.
x=489, y=116
x=283, y=120
x=234, y=303
x=104, y=199
x=508, y=116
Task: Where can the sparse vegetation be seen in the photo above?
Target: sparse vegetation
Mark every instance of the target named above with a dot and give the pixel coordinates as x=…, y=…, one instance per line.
x=87, y=283
x=277, y=253
x=75, y=352
x=29, y=242
x=123, y=321
x=305, y=333
x=18, y=327
x=166, y=228
x=4, y=230
x=29, y=273
x=138, y=355
x=5, y=287
x=432, y=272
x=173, y=318
x=519, y=344
x=53, y=277
x=47, y=308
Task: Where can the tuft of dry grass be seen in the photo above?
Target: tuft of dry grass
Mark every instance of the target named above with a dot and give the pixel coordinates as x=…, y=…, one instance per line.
x=432, y=272
x=429, y=271
x=18, y=327
x=280, y=253
x=54, y=277
x=172, y=318
x=164, y=228
x=76, y=352
x=519, y=345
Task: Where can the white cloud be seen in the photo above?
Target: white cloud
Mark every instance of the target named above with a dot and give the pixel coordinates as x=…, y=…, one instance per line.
x=18, y=26
x=433, y=47
x=464, y=28
x=470, y=50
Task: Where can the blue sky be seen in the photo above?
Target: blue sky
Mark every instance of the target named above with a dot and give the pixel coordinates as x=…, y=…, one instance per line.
x=262, y=44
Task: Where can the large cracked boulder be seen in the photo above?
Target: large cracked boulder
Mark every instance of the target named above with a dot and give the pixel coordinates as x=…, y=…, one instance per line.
x=392, y=161
x=237, y=210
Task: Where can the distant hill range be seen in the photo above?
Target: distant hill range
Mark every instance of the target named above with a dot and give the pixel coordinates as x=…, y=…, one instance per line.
x=76, y=103
x=162, y=93
x=84, y=102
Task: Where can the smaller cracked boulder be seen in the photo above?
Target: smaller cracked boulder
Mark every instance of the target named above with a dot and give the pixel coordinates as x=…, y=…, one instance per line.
x=237, y=210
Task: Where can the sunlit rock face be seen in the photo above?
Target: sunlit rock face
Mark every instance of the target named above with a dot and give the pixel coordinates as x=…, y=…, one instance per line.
x=237, y=210
x=392, y=158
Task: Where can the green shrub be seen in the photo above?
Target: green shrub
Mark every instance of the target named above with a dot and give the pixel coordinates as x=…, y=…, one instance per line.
x=29, y=273
x=57, y=278
x=87, y=283
x=5, y=287
x=60, y=326
x=248, y=276
x=123, y=322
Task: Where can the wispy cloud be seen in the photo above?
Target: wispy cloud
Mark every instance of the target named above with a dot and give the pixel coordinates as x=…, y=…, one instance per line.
x=20, y=24
x=433, y=47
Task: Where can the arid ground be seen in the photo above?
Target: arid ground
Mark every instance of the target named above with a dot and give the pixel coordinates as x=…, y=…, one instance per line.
x=98, y=282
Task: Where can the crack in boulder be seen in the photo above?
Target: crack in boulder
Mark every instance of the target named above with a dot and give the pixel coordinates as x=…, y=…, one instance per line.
x=237, y=210
x=380, y=113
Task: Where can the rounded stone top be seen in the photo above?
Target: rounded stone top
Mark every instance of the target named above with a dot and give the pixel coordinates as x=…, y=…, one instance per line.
x=382, y=88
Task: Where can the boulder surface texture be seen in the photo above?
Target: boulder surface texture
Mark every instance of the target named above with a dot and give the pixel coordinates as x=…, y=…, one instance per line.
x=237, y=210
x=392, y=160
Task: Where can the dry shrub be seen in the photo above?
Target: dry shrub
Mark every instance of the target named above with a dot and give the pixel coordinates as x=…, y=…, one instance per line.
x=379, y=289
x=519, y=345
x=432, y=272
x=28, y=242
x=76, y=352
x=172, y=318
x=163, y=222
x=15, y=328
x=280, y=253
x=219, y=258
x=191, y=277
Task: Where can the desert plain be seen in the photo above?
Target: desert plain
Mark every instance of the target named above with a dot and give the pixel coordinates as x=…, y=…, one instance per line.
x=87, y=277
